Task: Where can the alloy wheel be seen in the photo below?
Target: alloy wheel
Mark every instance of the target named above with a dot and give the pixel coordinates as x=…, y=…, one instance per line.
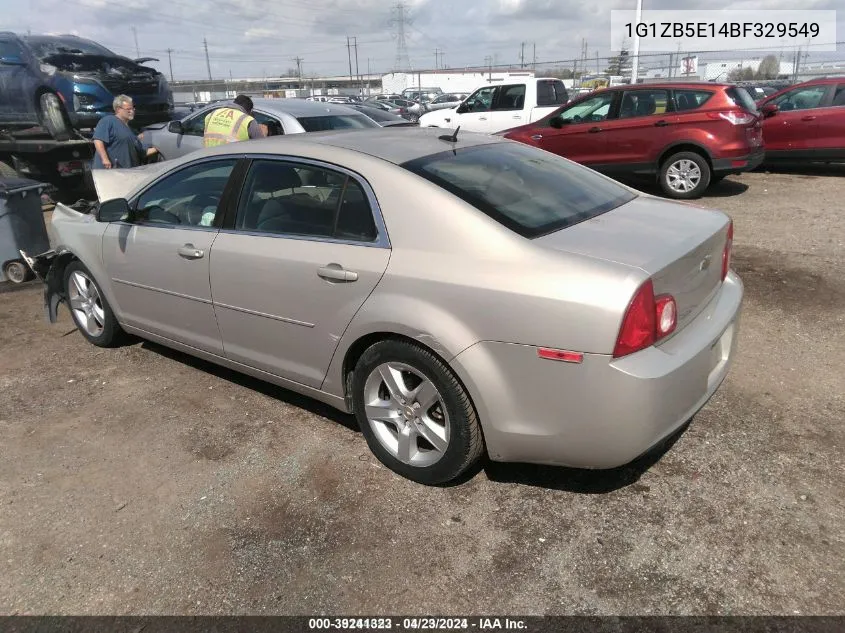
x=86, y=303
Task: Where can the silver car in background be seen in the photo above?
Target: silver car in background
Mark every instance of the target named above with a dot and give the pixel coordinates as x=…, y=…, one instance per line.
x=460, y=294
x=281, y=116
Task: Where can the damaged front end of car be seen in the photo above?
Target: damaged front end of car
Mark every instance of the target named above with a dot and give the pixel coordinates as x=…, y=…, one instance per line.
x=49, y=266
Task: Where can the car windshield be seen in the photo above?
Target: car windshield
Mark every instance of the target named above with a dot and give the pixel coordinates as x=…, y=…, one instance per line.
x=529, y=191
x=45, y=46
x=335, y=122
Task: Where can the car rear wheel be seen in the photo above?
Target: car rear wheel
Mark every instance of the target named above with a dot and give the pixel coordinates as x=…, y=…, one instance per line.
x=17, y=272
x=53, y=116
x=684, y=175
x=89, y=309
x=416, y=416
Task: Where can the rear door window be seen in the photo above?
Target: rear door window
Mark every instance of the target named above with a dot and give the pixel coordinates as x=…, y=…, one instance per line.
x=839, y=96
x=510, y=97
x=551, y=92
x=691, y=99
x=636, y=103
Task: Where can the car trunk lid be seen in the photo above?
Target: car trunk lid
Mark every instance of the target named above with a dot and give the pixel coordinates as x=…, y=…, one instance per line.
x=678, y=245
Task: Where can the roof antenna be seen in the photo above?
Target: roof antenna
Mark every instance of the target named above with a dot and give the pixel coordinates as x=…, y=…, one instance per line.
x=453, y=138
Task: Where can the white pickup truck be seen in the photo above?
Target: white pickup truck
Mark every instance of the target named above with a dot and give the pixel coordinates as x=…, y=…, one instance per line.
x=501, y=105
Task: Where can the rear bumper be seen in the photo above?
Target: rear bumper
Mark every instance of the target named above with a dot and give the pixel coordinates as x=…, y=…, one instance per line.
x=739, y=164
x=602, y=413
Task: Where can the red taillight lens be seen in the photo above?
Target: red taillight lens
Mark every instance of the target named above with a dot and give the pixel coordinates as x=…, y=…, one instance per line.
x=726, y=254
x=637, y=331
x=647, y=320
x=733, y=116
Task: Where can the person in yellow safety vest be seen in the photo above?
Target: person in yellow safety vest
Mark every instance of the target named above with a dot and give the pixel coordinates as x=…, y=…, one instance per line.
x=232, y=123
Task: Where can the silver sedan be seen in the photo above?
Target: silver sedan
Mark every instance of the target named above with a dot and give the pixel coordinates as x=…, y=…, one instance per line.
x=462, y=295
x=281, y=116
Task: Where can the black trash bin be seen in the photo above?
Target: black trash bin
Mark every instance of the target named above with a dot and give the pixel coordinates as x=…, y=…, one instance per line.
x=21, y=226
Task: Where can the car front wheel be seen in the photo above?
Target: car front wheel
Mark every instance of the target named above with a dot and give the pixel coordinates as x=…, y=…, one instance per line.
x=416, y=416
x=89, y=309
x=53, y=116
x=684, y=175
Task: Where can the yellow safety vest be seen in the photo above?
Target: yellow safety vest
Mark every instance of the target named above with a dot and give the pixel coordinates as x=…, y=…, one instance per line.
x=226, y=125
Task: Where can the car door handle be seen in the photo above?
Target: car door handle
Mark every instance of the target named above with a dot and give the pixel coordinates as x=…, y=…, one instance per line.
x=536, y=137
x=335, y=272
x=516, y=116
x=188, y=251
x=482, y=118
x=593, y=130
x=809, y=117
x=661, y=123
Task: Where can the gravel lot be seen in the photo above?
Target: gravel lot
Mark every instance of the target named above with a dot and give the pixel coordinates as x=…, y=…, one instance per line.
x=141, y=481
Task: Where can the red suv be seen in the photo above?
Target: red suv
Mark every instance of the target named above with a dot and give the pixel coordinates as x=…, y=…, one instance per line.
x=688, y=135
x=805, y=121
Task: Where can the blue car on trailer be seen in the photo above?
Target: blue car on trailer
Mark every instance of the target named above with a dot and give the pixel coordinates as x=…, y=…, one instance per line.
x=64, y=83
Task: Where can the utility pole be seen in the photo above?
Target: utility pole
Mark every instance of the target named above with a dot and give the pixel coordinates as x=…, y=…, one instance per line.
x=170, y=61
x=598, y=70
x=137, y=50
x=349, y=55
x=298, y=61
x=357, y=72
x=534, y=63
x=207, y=62
x=489, y=62
x=522, y=55
x=635, y=68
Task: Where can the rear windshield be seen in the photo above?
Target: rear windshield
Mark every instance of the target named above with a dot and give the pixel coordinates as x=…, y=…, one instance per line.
x=740, y=97
x=551, y=92
x=335, y=122
x=529, y=191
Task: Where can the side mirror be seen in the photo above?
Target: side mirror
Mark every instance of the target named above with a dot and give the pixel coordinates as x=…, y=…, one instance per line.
x=116, y=210
x=175, y=127
x=12, y=60
x=769, y=109
x=461, y=109
x=556, y=122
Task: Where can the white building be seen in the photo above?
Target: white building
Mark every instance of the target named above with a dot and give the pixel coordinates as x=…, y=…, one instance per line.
x=453, y=81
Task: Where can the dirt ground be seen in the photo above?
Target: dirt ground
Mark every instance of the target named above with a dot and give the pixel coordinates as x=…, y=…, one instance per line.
x=142, y=481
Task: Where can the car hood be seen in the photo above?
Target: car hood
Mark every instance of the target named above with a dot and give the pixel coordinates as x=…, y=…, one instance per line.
x=100, y=65
x=121, y=183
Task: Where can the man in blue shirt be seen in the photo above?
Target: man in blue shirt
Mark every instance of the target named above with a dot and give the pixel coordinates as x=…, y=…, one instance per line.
x=114, y=141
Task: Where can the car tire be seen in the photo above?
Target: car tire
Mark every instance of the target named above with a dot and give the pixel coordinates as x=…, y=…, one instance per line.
x=53, y=116
x=7, y=171
x=17, y=272
x=442, y=435
x=93, y=316
x=684, y=175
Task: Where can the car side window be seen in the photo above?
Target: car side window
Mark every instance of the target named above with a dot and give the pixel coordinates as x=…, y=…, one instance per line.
x=274, y=126
x=288, y=198
x=195, y=126
x=636, y=103
x=10, y=48
x=691, y=99
x=190, y=197
x=510, y=98
x=839, y=96
x=801, y=98
x=592, y=109
x=481, y=100
x=551, y=92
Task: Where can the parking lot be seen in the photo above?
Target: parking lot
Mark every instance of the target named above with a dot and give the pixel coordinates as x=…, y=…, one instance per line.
x=142, y=481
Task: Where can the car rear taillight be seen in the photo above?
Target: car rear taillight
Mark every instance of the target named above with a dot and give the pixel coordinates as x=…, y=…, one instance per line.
x=647, y=320
x=732, y=116
x=726, y=254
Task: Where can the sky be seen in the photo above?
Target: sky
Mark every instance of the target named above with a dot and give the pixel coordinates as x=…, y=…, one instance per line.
x=257, y=38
